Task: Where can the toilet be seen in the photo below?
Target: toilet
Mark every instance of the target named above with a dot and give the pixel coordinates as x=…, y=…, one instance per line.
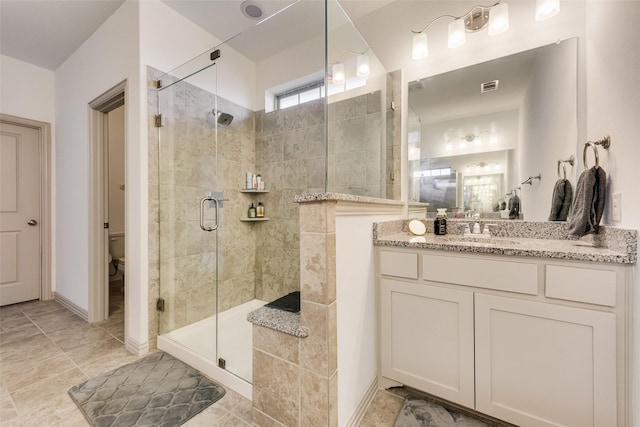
x=121, y=267
x=117, y=255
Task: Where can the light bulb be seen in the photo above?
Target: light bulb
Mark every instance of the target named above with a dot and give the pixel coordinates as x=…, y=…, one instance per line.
x=457, y=35
x=362, y=66
x=499, y=19
x=546, y=9
x=338, y=73
x=420, y=47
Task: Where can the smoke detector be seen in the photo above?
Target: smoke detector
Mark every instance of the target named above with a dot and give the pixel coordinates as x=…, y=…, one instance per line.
x=251, y=9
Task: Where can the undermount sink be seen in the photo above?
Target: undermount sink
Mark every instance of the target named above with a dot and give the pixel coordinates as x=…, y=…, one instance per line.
x=466, y=239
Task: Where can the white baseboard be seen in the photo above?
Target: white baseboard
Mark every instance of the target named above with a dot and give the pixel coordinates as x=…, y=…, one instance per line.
x=368, y=396
x=135, y=347
x=72, y=307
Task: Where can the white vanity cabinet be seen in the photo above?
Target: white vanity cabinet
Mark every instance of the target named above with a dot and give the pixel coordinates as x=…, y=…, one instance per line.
x=531, y=341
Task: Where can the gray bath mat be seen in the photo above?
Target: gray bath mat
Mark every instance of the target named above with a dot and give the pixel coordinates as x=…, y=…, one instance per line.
x=157, y=390
x=416, y=412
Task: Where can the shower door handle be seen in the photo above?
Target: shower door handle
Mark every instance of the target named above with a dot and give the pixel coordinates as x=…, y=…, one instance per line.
x=202, y=202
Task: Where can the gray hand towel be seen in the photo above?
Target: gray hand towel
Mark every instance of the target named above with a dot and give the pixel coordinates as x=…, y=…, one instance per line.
x=561, y=200
x=588, y=204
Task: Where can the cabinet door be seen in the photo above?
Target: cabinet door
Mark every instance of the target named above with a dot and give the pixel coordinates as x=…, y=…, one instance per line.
x=540, y=364
x=427, y=339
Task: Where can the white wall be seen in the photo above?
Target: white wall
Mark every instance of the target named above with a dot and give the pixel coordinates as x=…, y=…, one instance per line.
x=107, y=58
x=357, y=310
x=186, y=44
x=26, y=90
x=612, y=107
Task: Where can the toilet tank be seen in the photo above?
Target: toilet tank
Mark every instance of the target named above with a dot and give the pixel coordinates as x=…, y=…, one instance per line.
x=116, y=245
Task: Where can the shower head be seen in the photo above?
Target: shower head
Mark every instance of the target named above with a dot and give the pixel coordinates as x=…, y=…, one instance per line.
x=223, y=119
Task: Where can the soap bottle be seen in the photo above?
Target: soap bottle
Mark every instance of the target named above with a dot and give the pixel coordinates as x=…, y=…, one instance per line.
x=260, y=210
x=252, y=211
x=440, y=224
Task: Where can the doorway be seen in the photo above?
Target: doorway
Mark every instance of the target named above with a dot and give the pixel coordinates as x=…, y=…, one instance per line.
x=25, y=239
x=107, y=194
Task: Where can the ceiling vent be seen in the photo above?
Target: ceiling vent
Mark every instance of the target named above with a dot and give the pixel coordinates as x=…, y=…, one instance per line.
x=489, y=86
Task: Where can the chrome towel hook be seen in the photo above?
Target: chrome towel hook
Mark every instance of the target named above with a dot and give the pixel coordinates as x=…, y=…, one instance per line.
x=604, y=143
x=571, y=160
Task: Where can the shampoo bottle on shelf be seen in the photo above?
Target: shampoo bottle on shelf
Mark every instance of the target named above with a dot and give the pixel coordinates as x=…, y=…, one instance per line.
x=260, y=210
x=252, y=211
x=440, y=224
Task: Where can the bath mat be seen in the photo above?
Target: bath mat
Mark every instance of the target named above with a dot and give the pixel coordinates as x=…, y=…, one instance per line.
x=416, y=412
x=157, y=390
x=289, y=302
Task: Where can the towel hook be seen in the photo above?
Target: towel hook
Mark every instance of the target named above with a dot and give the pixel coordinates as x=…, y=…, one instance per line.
x=571, y=160
x=564, y=169
x=604, y=143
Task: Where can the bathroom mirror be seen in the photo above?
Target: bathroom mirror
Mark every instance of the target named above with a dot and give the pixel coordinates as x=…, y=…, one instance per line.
x=476, y=133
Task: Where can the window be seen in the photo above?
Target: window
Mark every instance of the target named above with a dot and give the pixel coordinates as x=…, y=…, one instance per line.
x=299, y=95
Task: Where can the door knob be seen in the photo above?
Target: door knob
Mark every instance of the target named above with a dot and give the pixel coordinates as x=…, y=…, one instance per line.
x=32, y=222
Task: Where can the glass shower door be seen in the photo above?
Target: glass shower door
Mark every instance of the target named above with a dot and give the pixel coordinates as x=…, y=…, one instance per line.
x=188, y=208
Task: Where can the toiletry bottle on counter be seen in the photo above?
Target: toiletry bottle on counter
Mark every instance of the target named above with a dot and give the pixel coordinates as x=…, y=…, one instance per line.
x=252, y=211
x=260, y=210
x=440, y=224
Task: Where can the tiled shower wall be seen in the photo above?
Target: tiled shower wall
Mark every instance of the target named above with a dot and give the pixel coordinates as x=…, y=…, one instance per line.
x=183, y=160
x=290, y=158
x=357, y=146
x=256, y=259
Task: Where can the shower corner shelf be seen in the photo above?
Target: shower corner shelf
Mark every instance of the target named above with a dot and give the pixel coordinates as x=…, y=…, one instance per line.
x=254, y=191
x=253, y=219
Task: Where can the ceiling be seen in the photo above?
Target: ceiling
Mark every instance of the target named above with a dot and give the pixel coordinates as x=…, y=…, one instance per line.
x=46, y=32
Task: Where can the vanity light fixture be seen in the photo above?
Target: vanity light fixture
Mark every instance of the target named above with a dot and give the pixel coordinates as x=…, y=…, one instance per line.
x=470, y=138
x=362, y=67
x=495, y=16
x=546, y=9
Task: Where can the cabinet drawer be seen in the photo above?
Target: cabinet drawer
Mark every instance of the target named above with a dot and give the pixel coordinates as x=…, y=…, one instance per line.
x=399, y=264
x=509, y=276
x=581, y=285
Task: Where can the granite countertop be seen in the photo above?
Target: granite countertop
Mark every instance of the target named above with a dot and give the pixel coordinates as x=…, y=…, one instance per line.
x=541, y=240
x=279, y=320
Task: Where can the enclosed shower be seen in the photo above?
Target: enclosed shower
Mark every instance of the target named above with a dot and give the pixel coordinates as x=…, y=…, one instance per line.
x=224, y=114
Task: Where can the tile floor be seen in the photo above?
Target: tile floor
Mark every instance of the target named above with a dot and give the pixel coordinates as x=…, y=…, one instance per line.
x=45, y=349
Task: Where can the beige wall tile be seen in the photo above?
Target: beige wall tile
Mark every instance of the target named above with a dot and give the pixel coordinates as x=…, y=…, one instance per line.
x=314, y=350
x=277, y=343
x=332, y=339
x=317, y=267
x=314, y=399
x=276, y=388
x=318, y=217
x=333, y=399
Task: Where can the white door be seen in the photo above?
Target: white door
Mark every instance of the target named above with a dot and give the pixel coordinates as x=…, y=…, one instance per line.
x=20, y=259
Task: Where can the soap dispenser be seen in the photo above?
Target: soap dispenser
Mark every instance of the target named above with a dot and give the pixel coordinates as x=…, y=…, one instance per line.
x=476, y=228
x=440, y=224
x=252, y=211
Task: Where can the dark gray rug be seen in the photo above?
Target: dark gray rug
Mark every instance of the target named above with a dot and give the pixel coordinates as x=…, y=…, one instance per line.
x=157, y=390
x=416, y=412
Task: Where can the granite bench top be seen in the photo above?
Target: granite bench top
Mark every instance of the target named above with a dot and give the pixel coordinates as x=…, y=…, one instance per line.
x=279, y=320
x=516, y=238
